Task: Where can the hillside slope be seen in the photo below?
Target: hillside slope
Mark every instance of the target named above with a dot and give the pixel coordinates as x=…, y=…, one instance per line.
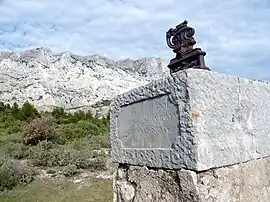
x=70, y=81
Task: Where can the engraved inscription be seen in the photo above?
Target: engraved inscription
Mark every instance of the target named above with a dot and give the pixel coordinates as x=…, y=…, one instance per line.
x=152, y=123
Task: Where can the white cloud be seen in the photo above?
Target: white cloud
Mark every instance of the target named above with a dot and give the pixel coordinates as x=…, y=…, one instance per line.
x=234, y=34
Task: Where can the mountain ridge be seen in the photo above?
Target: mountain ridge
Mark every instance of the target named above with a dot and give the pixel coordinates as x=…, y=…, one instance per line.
x=67, y=80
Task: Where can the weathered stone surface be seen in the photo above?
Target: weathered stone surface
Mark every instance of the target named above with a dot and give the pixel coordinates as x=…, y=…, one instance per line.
x=125, y=190
x=238, y=183
x=71, y=81
x=193, y=119
x=149, y=185
x=156, y=118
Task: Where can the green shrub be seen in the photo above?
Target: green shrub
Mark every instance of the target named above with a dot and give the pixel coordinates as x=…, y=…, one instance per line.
x=17, y=150
x=40, y=129
x=79, y=130
x=13, y=174
x=15, y=110
x=14, y=126
x=85, y=134
x=102, y=141
x=8, y=121
x=2, y=106
x=98, y=163
x=72, y=131
x=25, y=125
x=49, y=154
x=79, y=143
x=82, y=129
x=58, y=112
x=27, y=112
x=7, y=107
x=10, y=138
x=69, y=170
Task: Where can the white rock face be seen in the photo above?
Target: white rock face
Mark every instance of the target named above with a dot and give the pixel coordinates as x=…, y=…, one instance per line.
x=70, y=81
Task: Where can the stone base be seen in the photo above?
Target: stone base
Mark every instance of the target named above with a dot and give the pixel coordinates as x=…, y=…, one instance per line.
x=245, y=182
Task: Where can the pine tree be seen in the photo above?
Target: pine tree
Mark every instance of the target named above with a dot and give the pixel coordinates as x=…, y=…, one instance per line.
x=2, y=106
x=15, y=110
x=28, y=111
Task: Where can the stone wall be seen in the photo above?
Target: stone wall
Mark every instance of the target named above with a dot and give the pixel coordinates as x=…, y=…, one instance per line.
x=193, y=136
x=244, y=182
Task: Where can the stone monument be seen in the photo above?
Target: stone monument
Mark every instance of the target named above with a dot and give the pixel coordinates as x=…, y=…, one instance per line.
x=195, y=135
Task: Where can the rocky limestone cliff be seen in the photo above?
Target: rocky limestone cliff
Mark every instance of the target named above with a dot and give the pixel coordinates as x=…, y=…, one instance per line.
x=70, y=81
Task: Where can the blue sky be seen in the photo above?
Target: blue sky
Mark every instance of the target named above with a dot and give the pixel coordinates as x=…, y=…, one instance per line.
x=235, y=34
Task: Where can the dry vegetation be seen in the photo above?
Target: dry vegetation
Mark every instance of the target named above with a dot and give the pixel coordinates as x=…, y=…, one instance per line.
x=66, y=142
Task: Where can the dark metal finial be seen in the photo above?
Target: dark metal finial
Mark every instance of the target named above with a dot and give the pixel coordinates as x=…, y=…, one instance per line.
x=181, y=40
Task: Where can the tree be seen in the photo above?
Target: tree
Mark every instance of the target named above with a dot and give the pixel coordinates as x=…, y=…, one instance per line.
x=7, y=106
x=2, y=106
x=15, y=110
x=58, y=112
x=28, y=111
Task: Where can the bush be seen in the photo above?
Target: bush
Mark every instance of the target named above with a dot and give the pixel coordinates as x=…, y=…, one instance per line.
x=13, y=174
x=17, y=150
x=98, y=163
x=14, y=127
x=40, y=129
x=58, y=112
x=2, y=106
x=98, y=142
x=81, y=129
x=49, y=154
x=27, y=112
x=10, y=138
x=79, y=144
x=69, y=170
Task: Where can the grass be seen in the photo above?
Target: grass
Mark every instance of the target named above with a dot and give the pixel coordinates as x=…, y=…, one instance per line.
x=93, y=190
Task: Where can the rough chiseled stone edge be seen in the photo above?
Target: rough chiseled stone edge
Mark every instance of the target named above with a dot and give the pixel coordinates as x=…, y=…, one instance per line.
x=183, y=153
x=245, y=99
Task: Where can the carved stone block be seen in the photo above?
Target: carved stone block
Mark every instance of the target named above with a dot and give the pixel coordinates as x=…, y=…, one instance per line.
x=192, y=119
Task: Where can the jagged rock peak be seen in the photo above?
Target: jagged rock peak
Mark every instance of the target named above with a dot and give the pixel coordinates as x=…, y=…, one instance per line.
x=147, y=66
